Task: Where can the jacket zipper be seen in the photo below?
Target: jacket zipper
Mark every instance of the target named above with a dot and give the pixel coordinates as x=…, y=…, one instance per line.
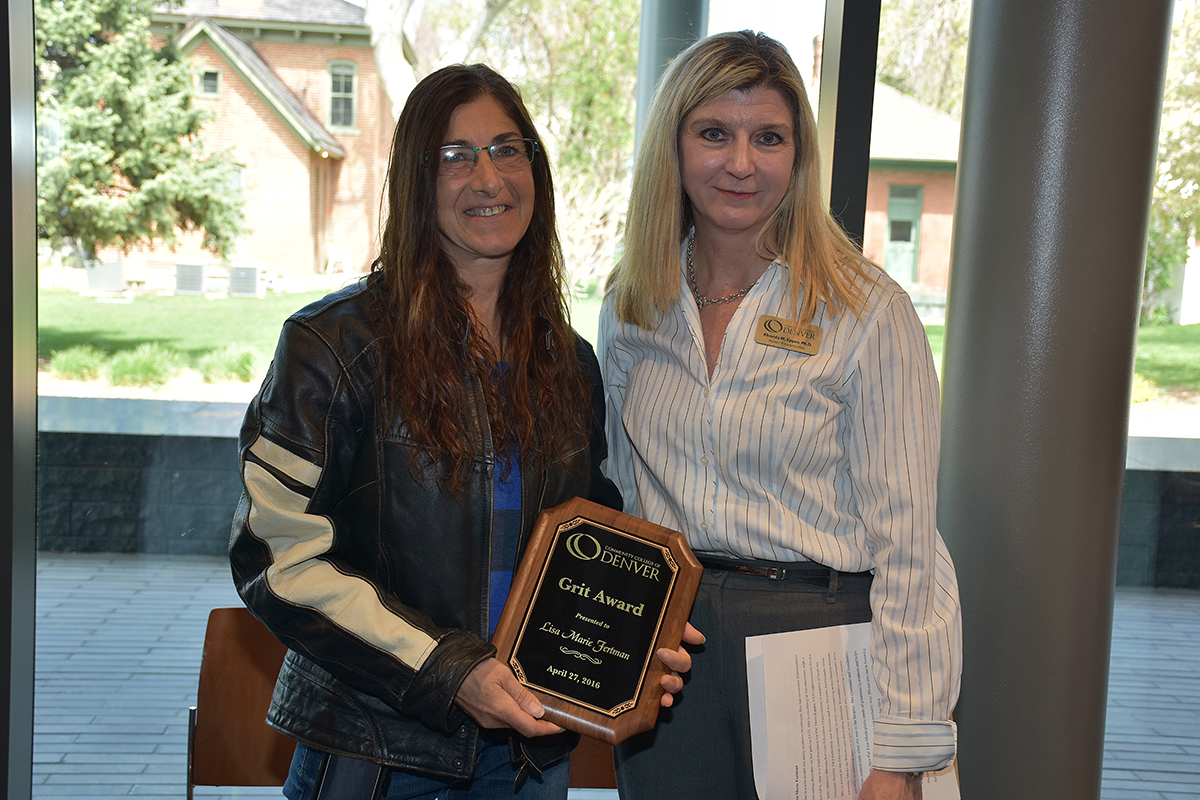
x=483, y=427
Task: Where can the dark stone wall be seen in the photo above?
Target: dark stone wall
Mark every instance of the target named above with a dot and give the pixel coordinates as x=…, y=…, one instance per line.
x=136, y=494
x=1140, y=513
x=1177, y=558
x=1160, y=530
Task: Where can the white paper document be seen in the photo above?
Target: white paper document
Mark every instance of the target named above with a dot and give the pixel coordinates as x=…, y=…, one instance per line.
x=813, y=702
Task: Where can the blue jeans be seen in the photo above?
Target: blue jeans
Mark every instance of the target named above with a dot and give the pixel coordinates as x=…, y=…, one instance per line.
x=493, y=779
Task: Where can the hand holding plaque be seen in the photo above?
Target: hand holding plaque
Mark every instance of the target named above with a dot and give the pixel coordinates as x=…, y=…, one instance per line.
x=596, y=595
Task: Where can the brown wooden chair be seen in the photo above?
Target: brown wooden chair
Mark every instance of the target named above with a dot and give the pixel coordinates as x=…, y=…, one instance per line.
x=592, y=765
x=229, y=743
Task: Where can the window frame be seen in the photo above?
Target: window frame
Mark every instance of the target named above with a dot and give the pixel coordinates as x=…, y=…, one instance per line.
x=330, y=73
x=201, y=91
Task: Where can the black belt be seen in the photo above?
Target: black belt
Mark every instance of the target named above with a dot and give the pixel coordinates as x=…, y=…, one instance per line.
x=809, y=572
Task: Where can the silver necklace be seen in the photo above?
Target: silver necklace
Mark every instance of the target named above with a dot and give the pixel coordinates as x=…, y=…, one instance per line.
x=701, y=300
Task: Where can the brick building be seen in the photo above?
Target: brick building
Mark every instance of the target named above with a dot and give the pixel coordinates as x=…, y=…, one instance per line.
x=910, y=194
x=298, y=101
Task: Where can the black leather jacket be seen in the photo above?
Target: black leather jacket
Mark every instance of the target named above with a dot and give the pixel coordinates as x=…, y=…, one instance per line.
x=377, y=582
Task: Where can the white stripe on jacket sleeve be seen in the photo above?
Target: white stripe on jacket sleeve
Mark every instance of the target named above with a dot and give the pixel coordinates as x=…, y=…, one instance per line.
x=299, y=575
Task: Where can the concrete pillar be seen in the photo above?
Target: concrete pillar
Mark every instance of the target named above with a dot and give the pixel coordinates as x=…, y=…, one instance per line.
x=667, y=27
x=1056, y=165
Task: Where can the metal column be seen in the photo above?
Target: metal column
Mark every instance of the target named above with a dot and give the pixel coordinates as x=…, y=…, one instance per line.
x=667, y=27
x=1056, y=165
x=18, y=435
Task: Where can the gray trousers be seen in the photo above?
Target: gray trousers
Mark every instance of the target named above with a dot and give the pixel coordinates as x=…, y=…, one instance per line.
x=700, y=749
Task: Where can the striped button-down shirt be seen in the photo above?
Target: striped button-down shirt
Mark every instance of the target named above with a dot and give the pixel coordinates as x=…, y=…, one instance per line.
x=828, y=456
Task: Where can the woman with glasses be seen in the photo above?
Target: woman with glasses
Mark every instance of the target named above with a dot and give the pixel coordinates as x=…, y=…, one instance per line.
x=771, y=394
x=408, y=433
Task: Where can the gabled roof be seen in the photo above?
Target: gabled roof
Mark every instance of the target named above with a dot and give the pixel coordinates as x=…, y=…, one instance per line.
x=256, y=72
x=905, y=129
x=303, y=12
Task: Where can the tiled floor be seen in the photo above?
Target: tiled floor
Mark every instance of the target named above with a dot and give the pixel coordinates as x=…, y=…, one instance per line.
x=1152, y=735
x=119, y=640
x=118, y=653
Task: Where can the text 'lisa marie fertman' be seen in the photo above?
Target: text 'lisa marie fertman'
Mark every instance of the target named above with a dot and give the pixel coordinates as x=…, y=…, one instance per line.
x=597, y=646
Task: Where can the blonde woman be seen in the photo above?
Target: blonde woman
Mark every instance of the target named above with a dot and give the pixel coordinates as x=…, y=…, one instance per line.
x=771, y=393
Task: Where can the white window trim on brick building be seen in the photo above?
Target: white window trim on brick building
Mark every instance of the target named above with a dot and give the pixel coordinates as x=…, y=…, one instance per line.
x=337, y=91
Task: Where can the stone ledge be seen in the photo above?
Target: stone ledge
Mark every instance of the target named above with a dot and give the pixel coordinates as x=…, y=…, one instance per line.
x=56, y=414
x=1162, y=454
x=139, y=417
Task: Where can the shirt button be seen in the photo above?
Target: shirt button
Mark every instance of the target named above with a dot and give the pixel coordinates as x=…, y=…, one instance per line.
x=458, y=763
x=704, y=460
x=704, y=526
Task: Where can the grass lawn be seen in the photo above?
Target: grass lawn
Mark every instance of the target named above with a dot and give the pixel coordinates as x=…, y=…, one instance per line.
x=1169, y=355
x=936, y=334
x=189, y=326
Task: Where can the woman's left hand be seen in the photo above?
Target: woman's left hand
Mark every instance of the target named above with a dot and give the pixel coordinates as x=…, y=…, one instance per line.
x=677, y=661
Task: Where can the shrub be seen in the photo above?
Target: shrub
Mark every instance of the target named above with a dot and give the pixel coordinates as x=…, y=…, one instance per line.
x=150, y=364
x=78, y=363
x=1144, y=389
x=230, y=363
x=1166, y=252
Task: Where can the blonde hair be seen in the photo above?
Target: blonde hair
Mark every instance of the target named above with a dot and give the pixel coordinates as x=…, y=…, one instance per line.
x=801, y=233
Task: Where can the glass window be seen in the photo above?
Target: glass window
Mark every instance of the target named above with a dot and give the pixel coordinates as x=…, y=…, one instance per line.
x=210, y=83
x=914, y=146
x=341, y=95
x=798, y=25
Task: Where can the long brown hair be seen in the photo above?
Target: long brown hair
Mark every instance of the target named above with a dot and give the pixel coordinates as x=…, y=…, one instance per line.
x=801, y=233
x=539, y=402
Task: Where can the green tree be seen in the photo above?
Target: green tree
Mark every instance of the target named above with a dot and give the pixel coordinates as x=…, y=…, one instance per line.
x=412, y=38
x=1166, y=252
x=576, y=64
x=923, y=49
x=1175, y=213
x=120, y=158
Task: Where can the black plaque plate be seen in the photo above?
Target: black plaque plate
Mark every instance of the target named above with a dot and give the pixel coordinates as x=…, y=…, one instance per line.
x=596, y=594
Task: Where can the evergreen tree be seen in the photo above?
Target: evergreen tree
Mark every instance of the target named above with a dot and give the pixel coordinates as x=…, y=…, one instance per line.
x=120, y=159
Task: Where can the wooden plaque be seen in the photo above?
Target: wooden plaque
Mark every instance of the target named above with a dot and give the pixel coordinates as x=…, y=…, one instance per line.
x=597, y=593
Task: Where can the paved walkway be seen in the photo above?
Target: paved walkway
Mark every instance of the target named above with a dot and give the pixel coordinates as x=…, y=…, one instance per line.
x=119, y=641
x=1152, y=735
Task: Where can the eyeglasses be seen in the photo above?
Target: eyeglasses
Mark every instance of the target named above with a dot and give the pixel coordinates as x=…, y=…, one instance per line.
x=507, y=156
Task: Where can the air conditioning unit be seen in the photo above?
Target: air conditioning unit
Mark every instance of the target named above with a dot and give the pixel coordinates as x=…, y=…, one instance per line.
x=190, y=277
x=246, y=280
x=106, y=276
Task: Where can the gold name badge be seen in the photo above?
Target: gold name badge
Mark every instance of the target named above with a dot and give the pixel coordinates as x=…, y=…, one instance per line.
x=789, y=335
